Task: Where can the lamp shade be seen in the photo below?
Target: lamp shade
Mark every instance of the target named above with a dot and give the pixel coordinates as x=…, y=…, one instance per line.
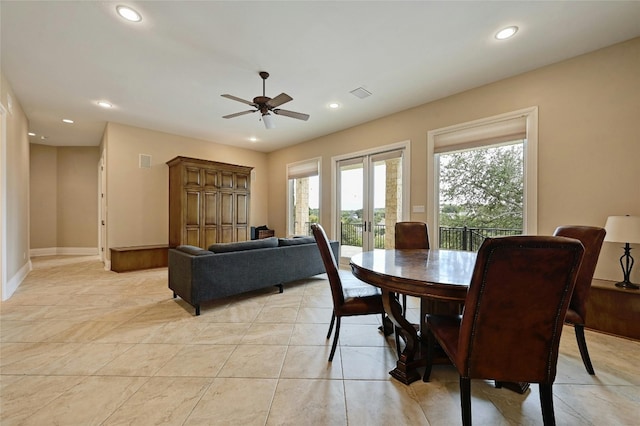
x=623, y=229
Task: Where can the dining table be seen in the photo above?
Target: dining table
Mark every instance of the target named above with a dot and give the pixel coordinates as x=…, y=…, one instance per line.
x=440, y=278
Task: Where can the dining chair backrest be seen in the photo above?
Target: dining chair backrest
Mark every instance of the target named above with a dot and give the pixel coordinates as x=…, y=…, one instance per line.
x=411, y=235
x=330, y=264
x=591, y=238
x=515, y=308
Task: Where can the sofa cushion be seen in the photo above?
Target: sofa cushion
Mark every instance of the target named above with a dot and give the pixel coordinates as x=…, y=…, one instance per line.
x=295, y=241
x=244, y=245
x=193, y=250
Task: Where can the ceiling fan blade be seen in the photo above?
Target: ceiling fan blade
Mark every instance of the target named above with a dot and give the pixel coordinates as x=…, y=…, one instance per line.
x=237, y=114
x=292, y=114
x=279, y=100
x=235, y=98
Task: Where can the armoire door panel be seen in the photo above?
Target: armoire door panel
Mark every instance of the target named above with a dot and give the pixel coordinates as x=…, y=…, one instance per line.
x=242, y=181
x=210, y=208
x=226, y=209
x=226, y=234
x=192, y=236
x=242, y=209
x=192, y=176
x=242, y=233
x=211, y=178
x=192, y=208
x=227, y=180
x=210, y=236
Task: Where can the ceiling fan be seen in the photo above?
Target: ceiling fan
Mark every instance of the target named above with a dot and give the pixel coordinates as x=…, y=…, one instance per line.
x=267, y=105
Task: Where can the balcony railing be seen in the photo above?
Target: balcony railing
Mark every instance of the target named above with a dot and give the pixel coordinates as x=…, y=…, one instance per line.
x=461, y=238
x=351, y=235
x=470, y=239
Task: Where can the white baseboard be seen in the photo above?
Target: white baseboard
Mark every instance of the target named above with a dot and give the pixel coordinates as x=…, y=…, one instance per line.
x=14, y=282
x=64, y=251
x=107, y=265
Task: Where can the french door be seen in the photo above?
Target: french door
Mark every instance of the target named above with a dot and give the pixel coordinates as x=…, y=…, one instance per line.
x=369, y=200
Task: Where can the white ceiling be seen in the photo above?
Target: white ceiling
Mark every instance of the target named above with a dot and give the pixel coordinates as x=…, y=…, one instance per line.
x=167, y=72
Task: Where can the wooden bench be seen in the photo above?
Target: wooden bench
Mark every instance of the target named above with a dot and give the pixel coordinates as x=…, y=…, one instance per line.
x=124, y=259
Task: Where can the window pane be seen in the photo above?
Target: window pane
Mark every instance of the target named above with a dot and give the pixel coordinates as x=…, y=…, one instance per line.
x=480, y=195
x=305, y=204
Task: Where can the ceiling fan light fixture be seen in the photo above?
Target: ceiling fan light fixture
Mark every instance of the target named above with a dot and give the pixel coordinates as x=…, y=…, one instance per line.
x=268, y=121
x=266, y=105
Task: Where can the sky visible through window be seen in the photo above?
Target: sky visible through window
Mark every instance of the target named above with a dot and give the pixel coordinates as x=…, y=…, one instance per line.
x=351, y=193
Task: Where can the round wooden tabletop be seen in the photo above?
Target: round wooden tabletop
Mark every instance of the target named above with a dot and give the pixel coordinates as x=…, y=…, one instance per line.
x=427, y=273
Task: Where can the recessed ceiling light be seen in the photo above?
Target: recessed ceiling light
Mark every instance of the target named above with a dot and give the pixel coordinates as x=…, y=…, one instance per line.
x=506, y=33
x=104, y=104
x=43, y=137
x=253, y=139
x=129, y=14
x=66, y=120
x=334, y=105
x=31, y=134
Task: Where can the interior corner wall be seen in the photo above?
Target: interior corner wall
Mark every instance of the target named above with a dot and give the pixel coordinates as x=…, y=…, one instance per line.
x=588, y=146
x=138, y=198
x=64, y=199
x=17, y=188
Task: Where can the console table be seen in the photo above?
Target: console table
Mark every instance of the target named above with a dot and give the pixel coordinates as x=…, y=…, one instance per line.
x=613, y=310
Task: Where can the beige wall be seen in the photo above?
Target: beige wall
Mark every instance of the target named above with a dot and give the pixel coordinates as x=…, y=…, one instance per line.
x=78, y=196
x=137, y=199
x=589, y=110
x=44, y=195
x=64, y=197
x=17, y=188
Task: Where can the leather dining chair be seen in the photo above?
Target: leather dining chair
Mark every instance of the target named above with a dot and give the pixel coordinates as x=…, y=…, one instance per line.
x=409, y=235
x=591, y=238
x=513, y=316
x=350, y=295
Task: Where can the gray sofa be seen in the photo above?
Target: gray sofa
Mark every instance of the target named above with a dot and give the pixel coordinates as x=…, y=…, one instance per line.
x=198, y=275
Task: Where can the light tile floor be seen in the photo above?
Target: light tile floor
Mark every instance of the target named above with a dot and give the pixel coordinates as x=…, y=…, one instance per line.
x=83, y=346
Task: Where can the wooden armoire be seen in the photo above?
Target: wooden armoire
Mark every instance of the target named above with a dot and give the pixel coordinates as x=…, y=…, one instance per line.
x=208, y=202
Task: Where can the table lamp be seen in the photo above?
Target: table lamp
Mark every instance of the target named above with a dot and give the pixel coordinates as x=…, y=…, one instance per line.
x=624, y=229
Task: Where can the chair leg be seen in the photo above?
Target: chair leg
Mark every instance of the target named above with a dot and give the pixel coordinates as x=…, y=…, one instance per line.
x=465, y=400
x=333, y=318
x=546, y=400
x=335, y=340
x=582, y=345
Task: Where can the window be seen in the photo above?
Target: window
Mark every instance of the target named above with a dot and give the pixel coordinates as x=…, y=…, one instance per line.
x=484, y=180
x=303, y=195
